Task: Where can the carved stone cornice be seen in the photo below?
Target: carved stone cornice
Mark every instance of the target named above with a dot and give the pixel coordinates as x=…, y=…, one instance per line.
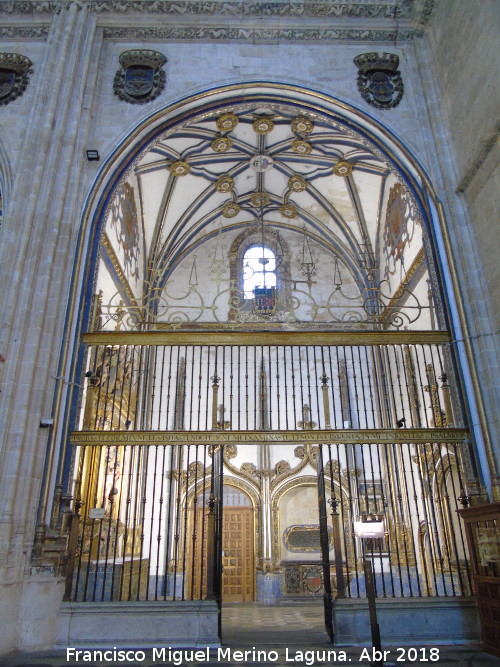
x=259, y=34
x=259, y=9
x=24, y=32
x=298, y=21
x=389, y=9
x=33, y=6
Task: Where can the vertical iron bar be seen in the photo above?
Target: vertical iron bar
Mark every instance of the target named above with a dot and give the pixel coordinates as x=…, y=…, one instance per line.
x=285, y=367
x=178, y=505
x=169, y=546
x=195, y=519
x=337, y=543
x=185, y=540
x=153, y=505
x=325, y=547
x=161, y=501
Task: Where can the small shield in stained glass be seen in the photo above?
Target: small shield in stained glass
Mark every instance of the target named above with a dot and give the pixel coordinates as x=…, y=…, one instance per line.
x=264, y=300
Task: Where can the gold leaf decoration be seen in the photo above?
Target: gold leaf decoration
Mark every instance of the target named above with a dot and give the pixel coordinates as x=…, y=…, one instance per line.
x=224, y=184
x=231, y=209
x=179, y=168
x=301, y=146
x=342, y=168
x=260, y=199
x=302, y=125
x=297, y=183
x=263, y=125
x=221, y=144
x=288, y=210
x=227, y=122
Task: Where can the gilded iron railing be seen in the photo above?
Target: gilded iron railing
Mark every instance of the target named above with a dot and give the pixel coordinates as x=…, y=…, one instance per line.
x=148, y=523
x=384, y=407
x=414, y=490
x=361, y=383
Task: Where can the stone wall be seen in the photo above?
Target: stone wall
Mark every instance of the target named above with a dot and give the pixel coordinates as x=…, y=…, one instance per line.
x=464, y=41
x=459, y=70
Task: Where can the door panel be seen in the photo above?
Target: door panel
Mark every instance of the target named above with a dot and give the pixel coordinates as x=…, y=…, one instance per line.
x=237, y=558
x=238, y=574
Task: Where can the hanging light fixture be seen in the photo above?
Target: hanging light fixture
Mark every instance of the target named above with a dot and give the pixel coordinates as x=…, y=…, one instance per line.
x=337, y=278
x=307, y=264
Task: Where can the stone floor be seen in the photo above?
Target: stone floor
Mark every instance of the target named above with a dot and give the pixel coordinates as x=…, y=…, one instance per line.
x=282, y=636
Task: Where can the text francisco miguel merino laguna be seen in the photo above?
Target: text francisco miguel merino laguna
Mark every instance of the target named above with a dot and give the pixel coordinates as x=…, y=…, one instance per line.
x=178, y=656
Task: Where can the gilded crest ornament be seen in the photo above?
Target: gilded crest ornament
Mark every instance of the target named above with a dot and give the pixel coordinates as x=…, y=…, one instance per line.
x=15, y=71
x=288, y=210
x=141, y=77
x=379, y=80
x=260, y=199
x=342, y=168
x=301, y=146
x=263, y=125
x=227, y=122
x=230, y=210
x=224, y=184
x=297, y=183
x=179, y=168
x=302, y=125
x=221, y=144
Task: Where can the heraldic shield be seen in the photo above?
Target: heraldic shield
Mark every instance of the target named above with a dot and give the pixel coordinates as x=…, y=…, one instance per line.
x=14, y=76
x=138, y=81
x=379, y=80
x=7, y=81
x=140, y=78
x=265, y=299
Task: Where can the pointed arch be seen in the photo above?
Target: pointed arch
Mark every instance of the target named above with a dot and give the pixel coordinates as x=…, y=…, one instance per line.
x=391, y=151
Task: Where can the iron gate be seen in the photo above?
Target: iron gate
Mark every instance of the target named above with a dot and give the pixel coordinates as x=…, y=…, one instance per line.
x=383, y=413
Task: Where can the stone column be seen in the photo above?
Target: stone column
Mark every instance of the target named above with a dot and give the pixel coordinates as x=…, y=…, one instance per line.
x=43, y=217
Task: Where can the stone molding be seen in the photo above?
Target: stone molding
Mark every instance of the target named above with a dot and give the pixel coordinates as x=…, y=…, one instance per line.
x=292, y=34
x=414, y=13
x=404, y=9
x=486, y=149
x=24, y=32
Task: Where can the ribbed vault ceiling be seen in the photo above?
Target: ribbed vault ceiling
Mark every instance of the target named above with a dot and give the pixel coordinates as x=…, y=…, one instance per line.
x=233, y=170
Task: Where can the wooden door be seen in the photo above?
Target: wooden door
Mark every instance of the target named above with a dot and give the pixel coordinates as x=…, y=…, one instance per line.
x=237, y=555
x=238, y=574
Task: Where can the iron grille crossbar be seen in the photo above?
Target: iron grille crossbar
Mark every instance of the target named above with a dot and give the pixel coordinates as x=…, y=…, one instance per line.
x=270, y=388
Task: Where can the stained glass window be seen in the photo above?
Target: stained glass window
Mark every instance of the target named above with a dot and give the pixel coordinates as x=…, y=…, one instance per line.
x=259, y=269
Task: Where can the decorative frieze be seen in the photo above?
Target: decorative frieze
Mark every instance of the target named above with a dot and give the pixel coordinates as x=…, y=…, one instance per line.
x=257, y=34
x=24, y=32
x=354, y=8
x=351, y=19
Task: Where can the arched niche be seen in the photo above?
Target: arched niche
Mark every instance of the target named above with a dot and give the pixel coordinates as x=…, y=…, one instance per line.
x=313, y=104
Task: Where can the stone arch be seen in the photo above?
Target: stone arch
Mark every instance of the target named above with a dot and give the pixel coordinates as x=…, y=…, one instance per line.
x=390, y=148
x=301, y=480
